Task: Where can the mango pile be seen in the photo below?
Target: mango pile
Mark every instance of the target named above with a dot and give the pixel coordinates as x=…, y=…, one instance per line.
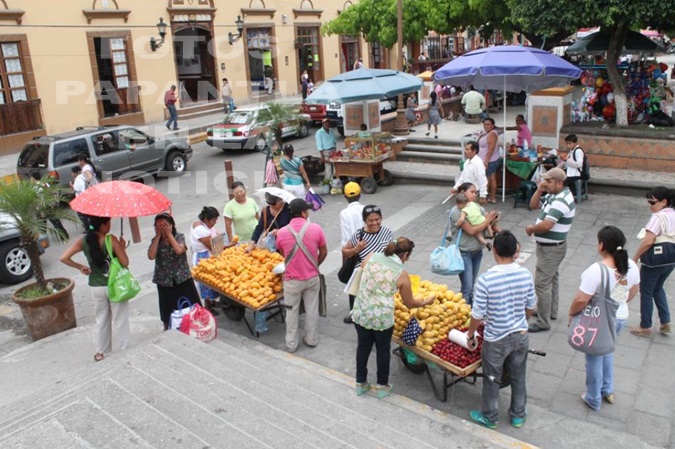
x=246, y=277
x=448, y=311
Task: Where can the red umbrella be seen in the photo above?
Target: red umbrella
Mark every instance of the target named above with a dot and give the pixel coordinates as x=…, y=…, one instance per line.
x=120, y=199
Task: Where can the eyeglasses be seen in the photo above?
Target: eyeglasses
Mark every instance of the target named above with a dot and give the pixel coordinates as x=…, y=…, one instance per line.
x=652, y=202
x=371, y=209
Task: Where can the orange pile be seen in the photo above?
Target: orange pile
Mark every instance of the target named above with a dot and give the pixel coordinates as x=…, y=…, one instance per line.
x=246, y=277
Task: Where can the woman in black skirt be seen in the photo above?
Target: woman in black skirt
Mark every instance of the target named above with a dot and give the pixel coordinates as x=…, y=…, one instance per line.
x=172, y=273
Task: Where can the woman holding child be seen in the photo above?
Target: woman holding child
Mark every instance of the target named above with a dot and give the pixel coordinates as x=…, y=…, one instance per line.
x=469, y=244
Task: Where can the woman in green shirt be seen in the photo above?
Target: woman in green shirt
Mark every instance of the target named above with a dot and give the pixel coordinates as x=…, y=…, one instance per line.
x=110, y=316
x=373, y=313
x=243, y=212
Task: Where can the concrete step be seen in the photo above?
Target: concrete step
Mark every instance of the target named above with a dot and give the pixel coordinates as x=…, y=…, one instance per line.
x=423, y=156
x=199, y=110
x=420, y=139
x=234, y=392
x=444, y=149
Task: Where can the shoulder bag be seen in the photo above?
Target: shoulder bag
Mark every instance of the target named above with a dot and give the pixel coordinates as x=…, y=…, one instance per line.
x=323, y=308
x=349, y=264
x=662, y=252
x=121, y=284
x=447, y=260
x=593, y=330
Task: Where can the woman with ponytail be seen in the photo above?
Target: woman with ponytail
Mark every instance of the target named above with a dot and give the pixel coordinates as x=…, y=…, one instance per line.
x=111, y=317
x=373, y=313
x=624, y=286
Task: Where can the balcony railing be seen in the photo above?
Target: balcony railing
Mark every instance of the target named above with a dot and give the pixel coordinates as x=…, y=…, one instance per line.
x=21, y=117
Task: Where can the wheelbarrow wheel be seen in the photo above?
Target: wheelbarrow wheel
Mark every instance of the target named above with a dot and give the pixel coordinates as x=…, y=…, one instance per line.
x=387, y=178
x=368, y=184
x=231, y=309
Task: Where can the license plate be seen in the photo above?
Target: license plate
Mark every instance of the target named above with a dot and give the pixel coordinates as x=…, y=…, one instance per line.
x=228, y=134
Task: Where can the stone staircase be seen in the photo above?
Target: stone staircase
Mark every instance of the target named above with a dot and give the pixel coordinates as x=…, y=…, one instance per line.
x=175, y=392
x=429, y=150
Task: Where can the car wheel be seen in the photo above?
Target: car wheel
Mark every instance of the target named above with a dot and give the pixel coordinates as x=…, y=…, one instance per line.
x=260, y=144
x=15, y=266
x=303, y=131
x=341, y=130
x=175, y=162
x=368, y=185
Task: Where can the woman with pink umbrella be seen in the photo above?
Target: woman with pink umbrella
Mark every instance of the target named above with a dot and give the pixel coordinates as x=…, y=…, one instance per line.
x=111, y=317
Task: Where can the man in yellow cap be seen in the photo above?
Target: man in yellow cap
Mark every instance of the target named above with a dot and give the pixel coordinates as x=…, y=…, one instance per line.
x=351, y=218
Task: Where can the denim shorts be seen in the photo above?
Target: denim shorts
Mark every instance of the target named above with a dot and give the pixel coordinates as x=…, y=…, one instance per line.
x=492, y=167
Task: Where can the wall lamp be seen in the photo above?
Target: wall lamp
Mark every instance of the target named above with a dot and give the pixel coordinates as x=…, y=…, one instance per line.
x=240, y=28
x=161, y=28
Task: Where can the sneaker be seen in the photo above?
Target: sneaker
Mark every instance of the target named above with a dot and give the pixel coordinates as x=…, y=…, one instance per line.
x=517, y=422
x=609, y=398
x=478, y=417
x=347, y=319
x=383, y=391
x=362, y=388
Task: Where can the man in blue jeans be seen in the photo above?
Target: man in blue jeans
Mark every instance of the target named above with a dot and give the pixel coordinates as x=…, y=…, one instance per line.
x=504, y=298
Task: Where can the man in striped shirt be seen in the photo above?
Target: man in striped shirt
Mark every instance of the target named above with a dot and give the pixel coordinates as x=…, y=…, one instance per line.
x=504, y=299
x=550, y=232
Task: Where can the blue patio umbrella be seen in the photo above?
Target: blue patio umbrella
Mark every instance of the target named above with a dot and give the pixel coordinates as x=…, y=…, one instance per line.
x=511, y=68
x=364, y=84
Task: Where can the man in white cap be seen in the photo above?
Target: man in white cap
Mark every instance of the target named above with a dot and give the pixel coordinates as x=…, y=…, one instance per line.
x=303, y=245
x=550, y=232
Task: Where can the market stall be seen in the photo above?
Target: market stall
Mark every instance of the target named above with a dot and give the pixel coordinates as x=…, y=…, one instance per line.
x=363, y=157
x=245, y=281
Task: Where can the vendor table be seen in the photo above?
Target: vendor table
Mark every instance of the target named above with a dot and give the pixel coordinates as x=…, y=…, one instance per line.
x=235, y=310
x=451, y=373
x=429, y=360
x=371, y=172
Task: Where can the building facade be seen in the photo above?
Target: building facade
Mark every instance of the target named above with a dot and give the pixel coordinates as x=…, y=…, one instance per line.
x=91, y=62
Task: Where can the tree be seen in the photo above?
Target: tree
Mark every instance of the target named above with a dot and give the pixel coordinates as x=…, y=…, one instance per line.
x=615, y=17
x=29, y=205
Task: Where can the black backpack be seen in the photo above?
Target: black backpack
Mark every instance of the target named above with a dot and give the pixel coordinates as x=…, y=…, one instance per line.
x=585, y=166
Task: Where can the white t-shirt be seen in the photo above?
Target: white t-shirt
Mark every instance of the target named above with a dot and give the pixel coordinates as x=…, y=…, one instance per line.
x=200, y=232
x=79, y=184
x=94, y=179
x=351, y=220
x=590, y=283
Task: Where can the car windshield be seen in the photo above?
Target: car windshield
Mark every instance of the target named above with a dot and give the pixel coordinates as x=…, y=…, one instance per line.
x=239, y=118
x=34, y=155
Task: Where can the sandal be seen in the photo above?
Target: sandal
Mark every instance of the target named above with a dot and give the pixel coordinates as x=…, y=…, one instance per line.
x=640, y=332
x=98, y=357
x=492, y=201
x=665, y=328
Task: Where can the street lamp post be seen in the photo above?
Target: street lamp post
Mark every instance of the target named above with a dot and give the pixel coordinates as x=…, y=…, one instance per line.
x=401, y=125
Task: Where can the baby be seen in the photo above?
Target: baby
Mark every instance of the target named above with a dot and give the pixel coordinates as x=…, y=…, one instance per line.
x=471, y=212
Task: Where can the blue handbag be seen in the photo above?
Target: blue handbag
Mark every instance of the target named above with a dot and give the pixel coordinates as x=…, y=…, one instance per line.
x=447, y=259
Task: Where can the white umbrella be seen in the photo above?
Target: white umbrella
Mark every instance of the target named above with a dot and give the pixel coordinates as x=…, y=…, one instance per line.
x=285, y=195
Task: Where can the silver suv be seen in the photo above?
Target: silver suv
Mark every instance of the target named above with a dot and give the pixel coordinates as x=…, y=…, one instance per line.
x=119, y=151
x=15, y=265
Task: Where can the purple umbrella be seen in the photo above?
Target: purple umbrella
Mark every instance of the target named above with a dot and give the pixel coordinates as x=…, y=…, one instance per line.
x=511, y=68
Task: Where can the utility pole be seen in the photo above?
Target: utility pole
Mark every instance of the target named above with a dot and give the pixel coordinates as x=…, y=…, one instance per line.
x=401, y=126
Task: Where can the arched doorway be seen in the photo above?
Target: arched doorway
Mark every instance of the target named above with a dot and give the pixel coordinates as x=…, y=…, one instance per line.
x=195, y=66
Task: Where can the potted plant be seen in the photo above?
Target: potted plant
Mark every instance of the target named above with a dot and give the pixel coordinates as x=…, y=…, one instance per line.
x=27, y=205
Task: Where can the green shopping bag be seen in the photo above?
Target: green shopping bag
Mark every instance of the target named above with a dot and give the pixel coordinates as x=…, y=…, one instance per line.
x=121, y=284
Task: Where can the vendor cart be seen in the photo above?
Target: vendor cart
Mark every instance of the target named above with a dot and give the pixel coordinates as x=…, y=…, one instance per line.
x=371, y=173
x=419, y=361
x=235, y=310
